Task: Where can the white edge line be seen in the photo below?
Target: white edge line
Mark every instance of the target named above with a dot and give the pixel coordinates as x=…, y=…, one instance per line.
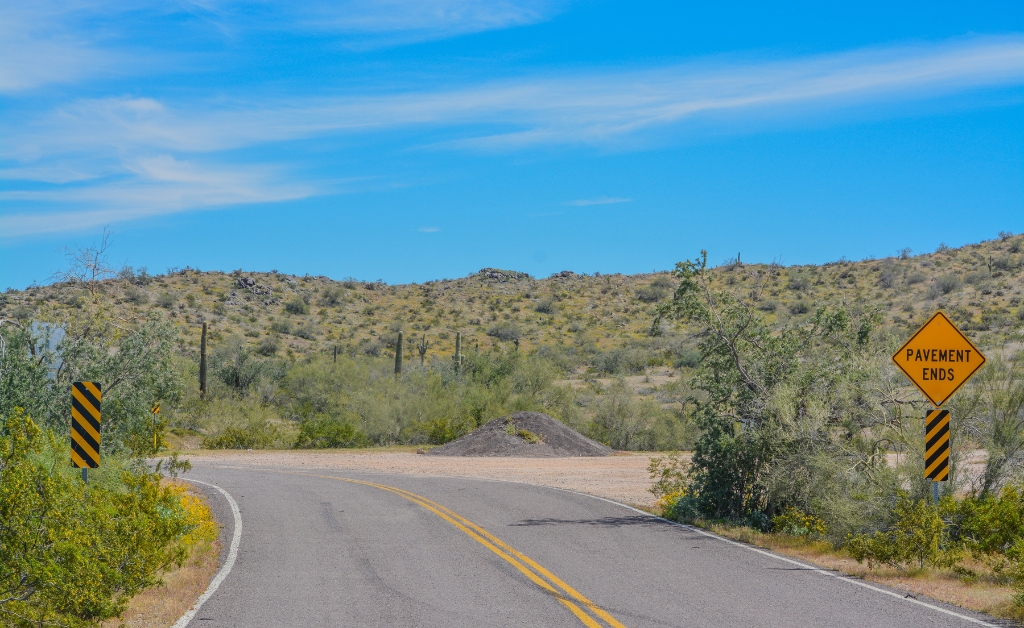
x=807, y=567
x=832, y=574
x=228, y=564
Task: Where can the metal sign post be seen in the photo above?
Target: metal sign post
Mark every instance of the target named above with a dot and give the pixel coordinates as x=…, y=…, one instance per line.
x=156, y=412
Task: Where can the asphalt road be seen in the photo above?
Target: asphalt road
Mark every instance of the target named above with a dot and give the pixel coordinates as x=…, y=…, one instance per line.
x=319, y=550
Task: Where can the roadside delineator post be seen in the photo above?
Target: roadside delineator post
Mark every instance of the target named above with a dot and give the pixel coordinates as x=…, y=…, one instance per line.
x=86, y=398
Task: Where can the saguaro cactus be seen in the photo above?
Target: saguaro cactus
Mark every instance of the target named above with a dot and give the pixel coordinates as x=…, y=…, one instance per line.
x=422, y=348
x=202, y=362
x=398, y=354
x=458, y=351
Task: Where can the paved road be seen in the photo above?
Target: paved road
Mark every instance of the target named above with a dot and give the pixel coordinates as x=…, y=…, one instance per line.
x=394, y=550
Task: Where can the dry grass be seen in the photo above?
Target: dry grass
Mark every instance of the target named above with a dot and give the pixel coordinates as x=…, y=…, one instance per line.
x=162, y=605
x=982, y=594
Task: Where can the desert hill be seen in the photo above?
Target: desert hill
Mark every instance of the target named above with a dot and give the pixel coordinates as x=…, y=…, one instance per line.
x=979, y=285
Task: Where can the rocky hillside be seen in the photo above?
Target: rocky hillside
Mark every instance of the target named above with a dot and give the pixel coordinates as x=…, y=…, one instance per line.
x=978, y=285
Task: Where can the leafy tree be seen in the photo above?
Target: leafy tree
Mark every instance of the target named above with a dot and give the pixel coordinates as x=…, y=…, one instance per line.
x=777, y=407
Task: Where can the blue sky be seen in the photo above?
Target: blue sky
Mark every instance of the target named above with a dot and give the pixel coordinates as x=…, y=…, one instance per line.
x=410, y=141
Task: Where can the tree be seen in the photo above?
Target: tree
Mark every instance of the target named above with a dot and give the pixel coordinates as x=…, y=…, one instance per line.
x=88, y=266
x=779, y=408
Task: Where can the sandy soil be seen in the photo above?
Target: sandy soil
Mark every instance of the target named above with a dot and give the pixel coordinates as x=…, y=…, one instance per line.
x=621, y=477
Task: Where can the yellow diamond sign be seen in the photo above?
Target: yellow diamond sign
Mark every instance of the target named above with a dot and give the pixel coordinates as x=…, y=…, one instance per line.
x=939, y=359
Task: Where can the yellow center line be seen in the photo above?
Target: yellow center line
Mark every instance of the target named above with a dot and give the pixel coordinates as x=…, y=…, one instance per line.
x=500, y=548
x=597, y=610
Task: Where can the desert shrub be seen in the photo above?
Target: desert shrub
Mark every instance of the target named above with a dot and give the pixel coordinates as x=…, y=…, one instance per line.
x=664, y=281
x=799, y=307
x=505, y=331
x=546, y=306
x=916, y=538
x=975, y=277
x=798, y=523
x=769, y=403
x=137, y=296
x=943, y=285
x=281, y=326
x=328, y=433
x=444, y=429
x=332, y=297
x=255, y=434
x=798, y=283
x=307, y=331
x=237, y=366
x=689, y=357
x=767, y=306
x=166, y=300
x=888, y=277
x=624, y=422
x=651, y=293
x=623, y=361
x=73, y=556
x=268, y=345
x=916, y=277
x=1005, y=262
x=297, y=305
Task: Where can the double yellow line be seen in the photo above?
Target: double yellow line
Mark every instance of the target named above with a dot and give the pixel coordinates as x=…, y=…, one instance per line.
x=566, y=595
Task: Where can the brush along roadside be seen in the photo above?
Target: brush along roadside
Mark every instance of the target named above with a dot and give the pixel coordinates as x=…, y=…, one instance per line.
x=968, y=552
x=161, y=605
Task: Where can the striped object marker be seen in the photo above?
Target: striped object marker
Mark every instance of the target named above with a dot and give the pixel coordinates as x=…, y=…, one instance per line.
x=85, y=426
x=936, y=450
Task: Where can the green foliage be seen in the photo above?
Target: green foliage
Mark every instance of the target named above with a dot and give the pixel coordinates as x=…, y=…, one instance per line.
x=297, y=305
x=254, y=434
x=795, y=522
x=778, y=409
x=917, y=537
x=71, y=555
x=133, y=364
x=328, y=433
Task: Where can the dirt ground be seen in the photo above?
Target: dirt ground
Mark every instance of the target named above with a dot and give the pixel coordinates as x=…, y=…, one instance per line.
x=622, y=477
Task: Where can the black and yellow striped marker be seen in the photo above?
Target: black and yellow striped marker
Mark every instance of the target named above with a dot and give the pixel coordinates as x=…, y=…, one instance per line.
x=85, y=425
x=936, y=449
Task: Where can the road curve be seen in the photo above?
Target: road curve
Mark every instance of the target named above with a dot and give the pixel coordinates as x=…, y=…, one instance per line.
x=331, y=548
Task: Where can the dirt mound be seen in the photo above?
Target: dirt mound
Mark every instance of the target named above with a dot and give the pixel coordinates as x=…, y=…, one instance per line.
x=526, y=434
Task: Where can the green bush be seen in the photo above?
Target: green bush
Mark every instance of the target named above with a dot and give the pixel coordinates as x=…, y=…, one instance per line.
x=72, y=555
x=328, y=433
x=297, y=305
x=916, y=538
x=256, y=434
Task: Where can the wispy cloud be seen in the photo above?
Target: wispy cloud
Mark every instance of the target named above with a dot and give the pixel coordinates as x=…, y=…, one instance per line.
x=50, y=41
x=116, y=152
x=150, y=187
x=589, y=108
x=428, y=229
x=603, y=200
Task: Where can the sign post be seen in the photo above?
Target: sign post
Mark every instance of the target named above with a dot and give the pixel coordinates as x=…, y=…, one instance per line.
x=938, y=359
x=156, y=413
x=85, y=426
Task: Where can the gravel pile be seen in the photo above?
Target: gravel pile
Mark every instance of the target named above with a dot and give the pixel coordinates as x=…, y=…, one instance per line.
x=512, y=435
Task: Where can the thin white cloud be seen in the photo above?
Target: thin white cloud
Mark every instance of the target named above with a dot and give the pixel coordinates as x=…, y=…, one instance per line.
x=114, y=152
x=151, y=187
x=428, y=229
x=49, y=41
x=603, y=200
x=595, y=108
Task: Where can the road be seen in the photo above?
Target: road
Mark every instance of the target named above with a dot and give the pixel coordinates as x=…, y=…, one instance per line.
x=331, y=548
